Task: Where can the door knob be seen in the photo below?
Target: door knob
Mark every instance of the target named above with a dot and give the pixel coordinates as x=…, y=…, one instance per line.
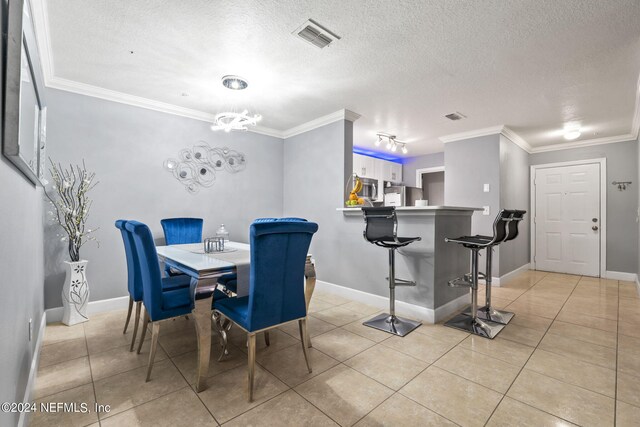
x=594, y=219
x=594, y=228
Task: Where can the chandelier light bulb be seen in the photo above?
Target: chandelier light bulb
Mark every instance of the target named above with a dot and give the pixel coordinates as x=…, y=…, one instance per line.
x=379, y=141
x=404, y=150
x=394, y=147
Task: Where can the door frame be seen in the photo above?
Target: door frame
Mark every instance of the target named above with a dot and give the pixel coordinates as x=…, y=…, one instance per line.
x=419, y=173
x=603, y=205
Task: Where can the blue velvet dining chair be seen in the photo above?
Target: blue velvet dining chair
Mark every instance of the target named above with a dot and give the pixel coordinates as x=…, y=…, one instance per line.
x=276, y=293
x=229, y=281
x=160, y=303
x=179, y=231
x=134, y=280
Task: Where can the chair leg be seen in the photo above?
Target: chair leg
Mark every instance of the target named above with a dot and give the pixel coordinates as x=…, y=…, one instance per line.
x=135, y=326
x=302, y=324
x=126, y=323
x=155, y=330
x=252, y=364
x=145, y=325
x=266, y=338
x=306, y=331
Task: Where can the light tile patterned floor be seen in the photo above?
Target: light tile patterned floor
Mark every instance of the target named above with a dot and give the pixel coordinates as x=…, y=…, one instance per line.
x=571, y=356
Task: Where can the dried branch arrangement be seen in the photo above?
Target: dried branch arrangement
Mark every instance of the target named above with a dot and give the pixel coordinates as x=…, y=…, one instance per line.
x=72, y=204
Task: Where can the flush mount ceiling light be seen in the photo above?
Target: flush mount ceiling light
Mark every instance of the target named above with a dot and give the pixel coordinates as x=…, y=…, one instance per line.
x=234, y=82
x=234, y=121
x=572, y=132
x=392, y=143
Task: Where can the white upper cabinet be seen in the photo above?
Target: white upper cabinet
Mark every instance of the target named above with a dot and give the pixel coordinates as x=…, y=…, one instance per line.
x=365, y=166
x=382, y=170
x=392, y=172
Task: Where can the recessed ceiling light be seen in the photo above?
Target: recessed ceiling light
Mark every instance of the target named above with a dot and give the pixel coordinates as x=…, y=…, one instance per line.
x=234, y=82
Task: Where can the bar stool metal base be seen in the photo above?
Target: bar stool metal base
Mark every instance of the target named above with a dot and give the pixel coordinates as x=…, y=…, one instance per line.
x=483, y=328
x=392, y=324
x=498, y=316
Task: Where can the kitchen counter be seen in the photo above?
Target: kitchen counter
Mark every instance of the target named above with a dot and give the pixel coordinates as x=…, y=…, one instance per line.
x=430, y=262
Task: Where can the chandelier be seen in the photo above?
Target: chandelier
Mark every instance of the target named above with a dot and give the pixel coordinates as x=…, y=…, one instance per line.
x=229, y=121
x=392, y=143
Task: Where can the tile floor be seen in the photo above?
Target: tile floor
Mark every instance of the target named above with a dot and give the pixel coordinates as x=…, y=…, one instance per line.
x=571, y=356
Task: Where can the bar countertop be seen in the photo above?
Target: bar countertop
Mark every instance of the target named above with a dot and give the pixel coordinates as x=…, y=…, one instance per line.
x=414, y=209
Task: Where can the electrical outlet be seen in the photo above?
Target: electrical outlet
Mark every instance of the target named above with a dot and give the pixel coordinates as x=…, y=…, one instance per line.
x=30, y=329
x=486, y=210
x=486, y=188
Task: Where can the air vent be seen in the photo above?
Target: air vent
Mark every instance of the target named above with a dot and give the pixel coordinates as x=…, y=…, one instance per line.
x=315, y=34
x=456, y=116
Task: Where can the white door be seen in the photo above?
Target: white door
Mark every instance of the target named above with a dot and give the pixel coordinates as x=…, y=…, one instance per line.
x=567, y=219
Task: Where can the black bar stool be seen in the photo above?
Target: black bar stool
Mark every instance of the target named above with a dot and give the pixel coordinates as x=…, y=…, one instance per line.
x=381, y=229
x=487, y=312
x=470, y=321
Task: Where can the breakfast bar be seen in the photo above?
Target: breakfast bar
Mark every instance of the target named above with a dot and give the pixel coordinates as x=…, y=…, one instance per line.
x=430, y=262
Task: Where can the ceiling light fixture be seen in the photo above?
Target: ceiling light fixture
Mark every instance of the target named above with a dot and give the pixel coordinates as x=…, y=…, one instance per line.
x=234, y=82
x=230, y=120
x=392, y=143
x=234, y=121
x=572, y=132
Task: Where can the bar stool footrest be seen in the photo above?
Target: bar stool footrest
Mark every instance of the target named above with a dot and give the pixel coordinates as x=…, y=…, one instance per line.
x=392, y=324
x=483, y=328
x=460, y=282
x=498, y=316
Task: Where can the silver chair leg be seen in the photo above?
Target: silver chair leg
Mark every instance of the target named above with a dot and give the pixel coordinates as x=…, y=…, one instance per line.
x=145, y=325
x=483, y=328
x=306, y=331
x=135, y=326
x=252, y=365
x=302, y=325
x=155, y=330
x=126, y=323
x=487, y=312
x=389, y=322
x=266, y=338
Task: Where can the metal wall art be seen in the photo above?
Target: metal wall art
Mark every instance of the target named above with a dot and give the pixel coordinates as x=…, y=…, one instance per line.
x=197, y=166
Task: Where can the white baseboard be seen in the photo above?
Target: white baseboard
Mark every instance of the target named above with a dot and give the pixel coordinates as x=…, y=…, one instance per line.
x=403, y=308
x=94, y=307
x=621, y=275
x=513, y=273
x=23, y=420
x=638, y=284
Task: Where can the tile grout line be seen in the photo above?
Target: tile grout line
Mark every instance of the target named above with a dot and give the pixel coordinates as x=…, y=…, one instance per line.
x=93, y=384
x=523, y=367
x=615, y=389
x=529, y=358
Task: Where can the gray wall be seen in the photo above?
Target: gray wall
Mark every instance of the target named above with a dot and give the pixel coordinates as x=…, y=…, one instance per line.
x=622, y=229
x=126, y=147
x=21, y=264
x=411, y=164
x=314, y=189
x=514, y=194
x=469, y=164
x=638, y=207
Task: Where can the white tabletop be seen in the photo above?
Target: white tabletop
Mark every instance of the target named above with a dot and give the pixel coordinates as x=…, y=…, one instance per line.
x=200, y=263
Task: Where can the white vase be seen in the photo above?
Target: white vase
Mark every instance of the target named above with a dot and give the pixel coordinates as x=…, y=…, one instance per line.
x=75, y=293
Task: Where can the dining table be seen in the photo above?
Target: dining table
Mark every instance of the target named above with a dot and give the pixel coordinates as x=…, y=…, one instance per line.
x=205, y=269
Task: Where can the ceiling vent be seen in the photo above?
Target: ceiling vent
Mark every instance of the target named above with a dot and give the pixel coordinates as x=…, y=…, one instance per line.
x=315, y=34
x=456, y=116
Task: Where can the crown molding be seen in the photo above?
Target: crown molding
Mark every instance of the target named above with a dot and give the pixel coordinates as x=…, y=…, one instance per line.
x=516, y=139
x=585, y=143
x=493, y=130
x=321, y=121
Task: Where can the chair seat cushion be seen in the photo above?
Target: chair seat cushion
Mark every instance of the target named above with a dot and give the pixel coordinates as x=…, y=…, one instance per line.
x=236, y=309
x=389, y=241
x=177, y=298
x=175, y=282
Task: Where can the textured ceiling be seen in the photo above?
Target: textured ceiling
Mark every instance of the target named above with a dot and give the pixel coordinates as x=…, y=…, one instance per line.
x=530, y=65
